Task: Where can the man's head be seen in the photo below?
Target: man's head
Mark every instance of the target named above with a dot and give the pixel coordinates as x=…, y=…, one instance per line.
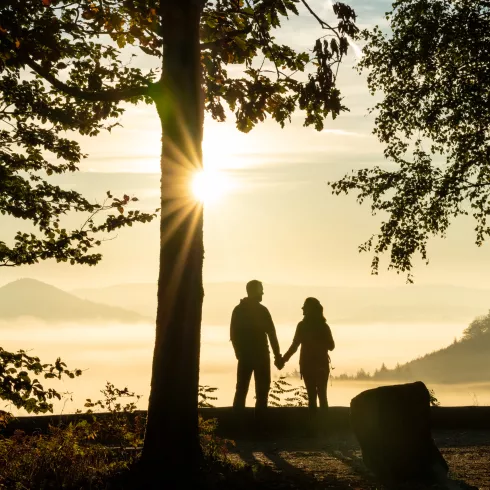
x=255, y=290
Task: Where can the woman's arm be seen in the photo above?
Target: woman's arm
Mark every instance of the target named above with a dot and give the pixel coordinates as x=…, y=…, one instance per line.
x=294, y=346
x=330, y=341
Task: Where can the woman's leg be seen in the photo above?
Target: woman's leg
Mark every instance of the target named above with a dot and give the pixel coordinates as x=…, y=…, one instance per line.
x=310, y=384
x=322, y=383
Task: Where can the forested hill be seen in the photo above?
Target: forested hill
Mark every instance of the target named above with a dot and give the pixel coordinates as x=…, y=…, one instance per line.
x=467, y=360
x=31, y=298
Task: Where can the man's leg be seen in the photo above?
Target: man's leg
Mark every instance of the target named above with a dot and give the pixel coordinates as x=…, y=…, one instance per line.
x=243, y=376
x=262, y=375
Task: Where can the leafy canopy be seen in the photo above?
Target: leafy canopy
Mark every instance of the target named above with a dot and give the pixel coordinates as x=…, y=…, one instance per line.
x=433, y=73
x=84, y=43
x=36, y=127
x=64, y=69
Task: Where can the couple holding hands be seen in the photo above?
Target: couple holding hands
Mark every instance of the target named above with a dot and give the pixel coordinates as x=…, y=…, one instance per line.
x=251, y=331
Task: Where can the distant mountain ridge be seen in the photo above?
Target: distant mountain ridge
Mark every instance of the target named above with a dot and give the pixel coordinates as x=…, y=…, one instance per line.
x=32, y=298
x=467, y=360
x=139, y=297
x=356, y=305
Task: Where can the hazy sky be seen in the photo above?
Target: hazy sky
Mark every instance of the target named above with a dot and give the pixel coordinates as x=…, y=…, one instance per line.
x=277, y=219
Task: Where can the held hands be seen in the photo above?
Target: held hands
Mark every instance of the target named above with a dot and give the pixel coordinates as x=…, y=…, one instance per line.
x=279, y=362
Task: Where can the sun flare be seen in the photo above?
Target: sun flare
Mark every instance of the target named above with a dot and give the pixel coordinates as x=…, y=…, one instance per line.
x=209, y=186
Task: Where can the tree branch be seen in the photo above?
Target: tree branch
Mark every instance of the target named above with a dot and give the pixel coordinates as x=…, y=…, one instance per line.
x=109, y=95
x=323, y=24
x=7, y=263
x=228, y=38
x=476, y=185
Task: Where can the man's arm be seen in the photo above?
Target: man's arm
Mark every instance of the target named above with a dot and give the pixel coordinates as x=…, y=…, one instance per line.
x=271, y=333
x=234, y=328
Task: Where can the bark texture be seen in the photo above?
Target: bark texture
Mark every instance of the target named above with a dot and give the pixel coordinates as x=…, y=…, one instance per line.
x=172, y=439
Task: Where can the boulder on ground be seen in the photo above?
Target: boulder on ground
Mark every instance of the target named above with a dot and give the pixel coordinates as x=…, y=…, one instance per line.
x=393, y=427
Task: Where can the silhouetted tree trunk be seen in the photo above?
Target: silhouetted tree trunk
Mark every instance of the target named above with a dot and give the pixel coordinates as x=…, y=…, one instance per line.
x=172, y=440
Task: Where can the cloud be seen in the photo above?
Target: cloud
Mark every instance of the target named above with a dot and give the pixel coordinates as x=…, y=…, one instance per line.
x=342, y=132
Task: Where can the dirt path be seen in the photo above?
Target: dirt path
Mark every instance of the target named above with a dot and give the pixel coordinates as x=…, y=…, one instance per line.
x=336, y=462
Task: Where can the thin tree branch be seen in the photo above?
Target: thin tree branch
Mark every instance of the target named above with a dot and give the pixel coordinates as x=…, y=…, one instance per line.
x=320, y=21
x=109, y=95
x=476, y=185
x=7, y=263
x=228, y=38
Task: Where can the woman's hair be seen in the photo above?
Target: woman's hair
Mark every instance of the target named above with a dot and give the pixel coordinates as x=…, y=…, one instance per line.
x=313, y=309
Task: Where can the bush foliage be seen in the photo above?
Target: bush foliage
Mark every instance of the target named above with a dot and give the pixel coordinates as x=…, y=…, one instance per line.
x=284, y=394
x=97, y=450
x=19, y=388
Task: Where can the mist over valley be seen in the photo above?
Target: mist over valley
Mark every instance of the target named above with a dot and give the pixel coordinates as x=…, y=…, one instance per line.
x=109, y=334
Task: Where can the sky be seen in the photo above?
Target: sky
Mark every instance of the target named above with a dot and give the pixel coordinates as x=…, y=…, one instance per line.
x=276, y=218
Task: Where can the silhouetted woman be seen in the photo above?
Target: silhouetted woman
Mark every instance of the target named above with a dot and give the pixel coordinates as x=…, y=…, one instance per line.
x=315, y=338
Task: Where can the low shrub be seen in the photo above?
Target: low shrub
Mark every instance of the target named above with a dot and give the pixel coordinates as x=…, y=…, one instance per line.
x=64, y=458
x=95, y=451
x=284, y=394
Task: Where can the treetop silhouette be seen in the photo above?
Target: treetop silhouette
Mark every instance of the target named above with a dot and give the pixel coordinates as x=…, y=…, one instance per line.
x=432, y=68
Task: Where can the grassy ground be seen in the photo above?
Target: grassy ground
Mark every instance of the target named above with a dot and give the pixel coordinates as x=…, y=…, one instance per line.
x=77, y=456
x=336, y=462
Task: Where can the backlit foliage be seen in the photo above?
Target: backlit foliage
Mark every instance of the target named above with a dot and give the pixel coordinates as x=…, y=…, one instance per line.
x=95, y=450
x=64, y=69
x=20, y=385
x=431, y=69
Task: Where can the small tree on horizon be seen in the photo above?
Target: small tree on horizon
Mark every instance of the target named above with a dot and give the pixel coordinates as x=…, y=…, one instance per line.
x=478, y=327
x=362, y=374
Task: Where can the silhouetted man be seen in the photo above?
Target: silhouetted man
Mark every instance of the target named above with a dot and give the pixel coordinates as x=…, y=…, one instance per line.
x=251, y=325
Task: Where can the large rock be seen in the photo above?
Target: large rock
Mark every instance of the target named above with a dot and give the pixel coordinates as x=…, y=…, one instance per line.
x=392, y=425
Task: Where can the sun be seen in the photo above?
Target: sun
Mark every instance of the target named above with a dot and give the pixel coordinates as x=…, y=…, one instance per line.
x=209, y=186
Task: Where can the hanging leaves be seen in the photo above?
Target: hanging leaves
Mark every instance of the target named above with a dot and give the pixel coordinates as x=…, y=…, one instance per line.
x=20, y=386
x=432, y=73
x=86, y=40
x=234, y=33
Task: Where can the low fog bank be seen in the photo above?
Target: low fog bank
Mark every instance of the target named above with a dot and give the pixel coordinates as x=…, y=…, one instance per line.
x=340, y=393
x=122, y=354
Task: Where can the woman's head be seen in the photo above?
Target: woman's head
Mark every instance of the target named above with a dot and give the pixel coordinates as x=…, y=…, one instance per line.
x=312, y=308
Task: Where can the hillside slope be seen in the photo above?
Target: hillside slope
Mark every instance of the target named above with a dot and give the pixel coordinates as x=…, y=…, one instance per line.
x=465, y=361
x=32, y=298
